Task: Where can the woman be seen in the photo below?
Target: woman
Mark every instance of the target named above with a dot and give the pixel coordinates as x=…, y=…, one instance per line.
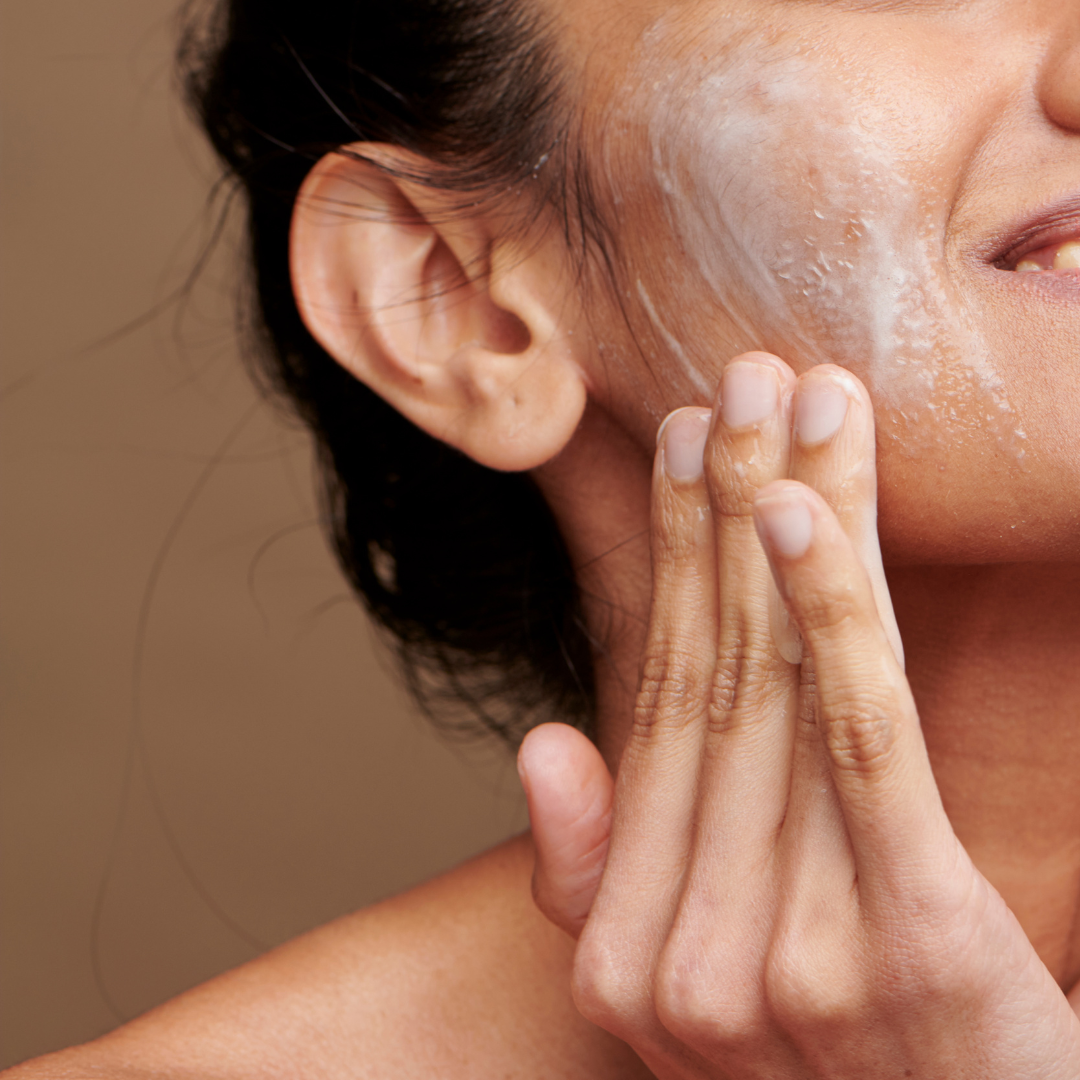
x=527, y=232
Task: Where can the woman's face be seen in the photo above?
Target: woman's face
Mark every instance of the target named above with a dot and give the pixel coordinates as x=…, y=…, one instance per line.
x=855, y=182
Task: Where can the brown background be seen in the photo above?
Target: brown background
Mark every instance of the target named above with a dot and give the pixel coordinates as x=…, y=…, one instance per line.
x=245, y=767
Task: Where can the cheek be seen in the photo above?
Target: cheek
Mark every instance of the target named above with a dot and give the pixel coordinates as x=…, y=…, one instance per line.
x=803, y=232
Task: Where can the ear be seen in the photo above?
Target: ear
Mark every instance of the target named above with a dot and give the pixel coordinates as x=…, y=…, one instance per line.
x=424, y=304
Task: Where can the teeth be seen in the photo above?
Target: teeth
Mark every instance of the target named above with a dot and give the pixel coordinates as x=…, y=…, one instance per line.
x=1067, y=257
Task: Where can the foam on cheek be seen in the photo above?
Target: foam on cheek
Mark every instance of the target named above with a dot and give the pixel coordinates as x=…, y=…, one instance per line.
x=792, y=209
x=692, y=372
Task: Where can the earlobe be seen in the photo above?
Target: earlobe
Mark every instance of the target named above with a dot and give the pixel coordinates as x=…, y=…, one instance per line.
x=424, y=305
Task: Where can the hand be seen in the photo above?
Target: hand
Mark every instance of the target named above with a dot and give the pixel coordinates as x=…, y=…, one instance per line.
x=771, y=887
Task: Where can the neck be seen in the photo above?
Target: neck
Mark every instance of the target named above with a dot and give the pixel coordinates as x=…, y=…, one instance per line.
x=598, y=488
x=993, y=657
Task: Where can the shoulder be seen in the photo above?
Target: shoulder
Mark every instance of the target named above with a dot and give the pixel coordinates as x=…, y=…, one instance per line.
x=461, y=977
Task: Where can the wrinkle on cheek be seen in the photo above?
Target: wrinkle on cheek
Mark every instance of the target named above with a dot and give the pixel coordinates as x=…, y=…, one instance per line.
x=778, y=184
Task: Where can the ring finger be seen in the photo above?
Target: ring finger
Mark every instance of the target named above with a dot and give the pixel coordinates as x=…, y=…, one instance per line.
x=746, y=759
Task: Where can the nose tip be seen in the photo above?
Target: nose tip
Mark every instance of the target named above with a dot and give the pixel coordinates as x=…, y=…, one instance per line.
x=1059, y=89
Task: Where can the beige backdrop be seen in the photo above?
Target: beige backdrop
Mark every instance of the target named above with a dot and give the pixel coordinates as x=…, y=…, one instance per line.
x=200, y=742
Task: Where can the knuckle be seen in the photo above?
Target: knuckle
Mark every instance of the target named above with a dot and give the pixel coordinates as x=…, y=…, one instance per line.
x=744, y=680
x=605, y=988
x=733, y=500
x=810, y=992
x=745, y=665
x=737, y=468
x=670, y=687
x=859, y=733
x=687, y=1014
x=710, y=1010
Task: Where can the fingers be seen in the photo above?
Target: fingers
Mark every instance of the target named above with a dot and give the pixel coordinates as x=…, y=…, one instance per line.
x=659, y=761
x=746, y=759
x=864, y=708
x=569, y=791
x=746, y=755
x=834, y=452
x=656, y=785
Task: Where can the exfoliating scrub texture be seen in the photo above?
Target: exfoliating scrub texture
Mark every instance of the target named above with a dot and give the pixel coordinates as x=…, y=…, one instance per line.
x=798, y=220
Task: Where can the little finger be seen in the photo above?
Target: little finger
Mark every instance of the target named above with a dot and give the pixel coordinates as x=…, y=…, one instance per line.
x=834, y=452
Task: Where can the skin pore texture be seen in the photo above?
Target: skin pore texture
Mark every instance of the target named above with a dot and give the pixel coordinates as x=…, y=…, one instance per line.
x=784, y=134
x=834, y=182
x=811, y=191
x=850, y=183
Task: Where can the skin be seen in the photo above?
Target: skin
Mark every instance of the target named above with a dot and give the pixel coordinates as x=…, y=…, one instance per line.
x=695, y=881
x=949, y=119
x=777, y=822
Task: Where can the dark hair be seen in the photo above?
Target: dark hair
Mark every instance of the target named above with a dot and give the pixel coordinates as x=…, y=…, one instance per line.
x=462, y=564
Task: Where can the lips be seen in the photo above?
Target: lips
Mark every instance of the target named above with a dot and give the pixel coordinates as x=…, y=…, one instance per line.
x=1048, y=242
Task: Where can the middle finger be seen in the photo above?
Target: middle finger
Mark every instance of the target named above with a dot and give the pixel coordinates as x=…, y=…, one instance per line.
x=747, y=750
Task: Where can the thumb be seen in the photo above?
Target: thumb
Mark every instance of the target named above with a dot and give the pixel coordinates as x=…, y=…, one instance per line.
x=569, y=791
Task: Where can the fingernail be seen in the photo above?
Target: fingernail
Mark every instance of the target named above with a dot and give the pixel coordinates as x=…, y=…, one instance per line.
x=749, y=393
x=684, y=433
x=820, y=407
x=785, y=524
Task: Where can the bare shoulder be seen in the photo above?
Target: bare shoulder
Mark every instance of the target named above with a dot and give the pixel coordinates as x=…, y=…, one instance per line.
x=461, y=977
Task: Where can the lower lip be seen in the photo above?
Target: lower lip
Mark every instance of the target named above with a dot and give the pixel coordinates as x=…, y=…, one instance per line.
x=1063, y=285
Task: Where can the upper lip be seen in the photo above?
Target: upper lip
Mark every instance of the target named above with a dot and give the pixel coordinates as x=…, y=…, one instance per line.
x=1051, y=224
